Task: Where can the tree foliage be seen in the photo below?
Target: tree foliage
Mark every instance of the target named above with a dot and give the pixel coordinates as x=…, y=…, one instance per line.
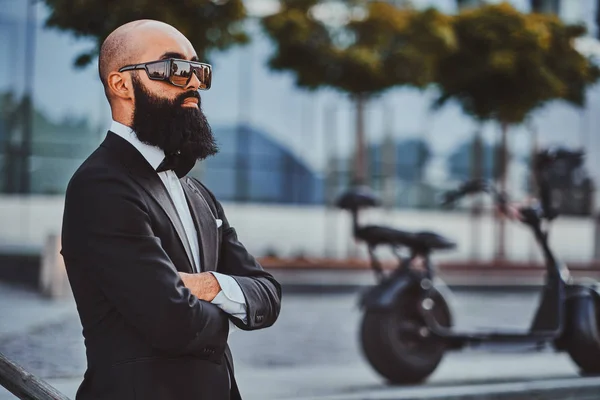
x=373, y=47
x=507, y=64
x=215, y=24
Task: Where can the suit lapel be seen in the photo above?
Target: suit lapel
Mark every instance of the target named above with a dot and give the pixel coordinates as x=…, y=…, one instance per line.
x=149, y=180
x=205, y=223
x=156, y=189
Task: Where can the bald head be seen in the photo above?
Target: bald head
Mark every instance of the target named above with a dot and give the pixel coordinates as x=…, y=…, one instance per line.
x=140, y=42
x=128, y=43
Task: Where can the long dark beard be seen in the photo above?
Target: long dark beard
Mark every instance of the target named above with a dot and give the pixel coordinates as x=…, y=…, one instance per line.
x=166, y=124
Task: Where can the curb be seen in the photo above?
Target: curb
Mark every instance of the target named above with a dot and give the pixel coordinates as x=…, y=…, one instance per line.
x=344, y=282
x=562, y=389
x=333, y=289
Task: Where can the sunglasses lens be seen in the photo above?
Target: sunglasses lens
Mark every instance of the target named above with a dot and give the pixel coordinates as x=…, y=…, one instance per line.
x=207, y=76
x=157, y=70
x=180, y=72
x=204, y=74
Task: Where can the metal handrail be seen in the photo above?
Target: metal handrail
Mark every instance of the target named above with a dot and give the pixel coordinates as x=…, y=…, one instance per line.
x=25, y=385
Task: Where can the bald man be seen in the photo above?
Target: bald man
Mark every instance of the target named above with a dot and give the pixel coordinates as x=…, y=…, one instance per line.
x=158, y=274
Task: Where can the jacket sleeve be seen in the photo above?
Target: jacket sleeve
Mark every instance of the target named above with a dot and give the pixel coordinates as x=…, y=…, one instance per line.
x=107, y=229
x=261, y=291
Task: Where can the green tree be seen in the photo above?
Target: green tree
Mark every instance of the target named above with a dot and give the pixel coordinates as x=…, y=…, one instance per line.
x=207, y=24
x=509, y=64
x=361, y=48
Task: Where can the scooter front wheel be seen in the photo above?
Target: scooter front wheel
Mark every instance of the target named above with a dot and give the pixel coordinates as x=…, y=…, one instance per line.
x=398, y=345
x=583, y=333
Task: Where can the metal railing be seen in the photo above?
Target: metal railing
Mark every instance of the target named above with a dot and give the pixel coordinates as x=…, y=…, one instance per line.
x=24, y=385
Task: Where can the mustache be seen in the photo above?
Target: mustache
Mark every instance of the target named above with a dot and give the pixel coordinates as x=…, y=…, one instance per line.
x=187, y=95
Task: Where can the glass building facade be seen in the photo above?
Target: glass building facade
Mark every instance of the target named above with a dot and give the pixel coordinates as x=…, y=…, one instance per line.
x=54, y=115
x=252, y=167
x=47, y=127
x=276, y=145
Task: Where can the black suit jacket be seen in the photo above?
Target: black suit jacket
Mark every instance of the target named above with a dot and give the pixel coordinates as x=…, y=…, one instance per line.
x=146, y=336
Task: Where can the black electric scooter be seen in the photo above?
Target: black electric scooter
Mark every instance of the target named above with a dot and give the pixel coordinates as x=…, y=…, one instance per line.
x=407, y=323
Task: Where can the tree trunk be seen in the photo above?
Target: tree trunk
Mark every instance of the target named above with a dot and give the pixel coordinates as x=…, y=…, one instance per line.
x=331, y=181
x=501, y=250
x=388, y=167
x=360, y=163
x=533, y=151
x=533, y=189
x=476, y=173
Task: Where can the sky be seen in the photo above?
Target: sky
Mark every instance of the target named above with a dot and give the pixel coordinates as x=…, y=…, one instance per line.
x=245, y=90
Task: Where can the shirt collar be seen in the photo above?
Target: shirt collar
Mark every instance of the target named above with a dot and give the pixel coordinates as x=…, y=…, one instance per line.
x=152, y=154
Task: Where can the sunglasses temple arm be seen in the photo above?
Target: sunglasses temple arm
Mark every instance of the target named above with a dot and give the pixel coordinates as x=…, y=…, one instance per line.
x=133, y=67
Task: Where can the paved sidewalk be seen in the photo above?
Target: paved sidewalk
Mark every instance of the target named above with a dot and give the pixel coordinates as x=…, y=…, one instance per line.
x=312, y=350
x=560, y=389
x=23, y=310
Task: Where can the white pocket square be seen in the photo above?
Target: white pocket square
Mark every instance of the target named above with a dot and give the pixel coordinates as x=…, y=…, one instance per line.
x=219, y=223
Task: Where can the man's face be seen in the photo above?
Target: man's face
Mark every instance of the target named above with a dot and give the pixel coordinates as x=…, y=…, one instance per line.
x=163, y=44
x=168, y=116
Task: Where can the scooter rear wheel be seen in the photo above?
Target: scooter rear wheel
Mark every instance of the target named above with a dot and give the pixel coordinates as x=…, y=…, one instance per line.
x=396, y=342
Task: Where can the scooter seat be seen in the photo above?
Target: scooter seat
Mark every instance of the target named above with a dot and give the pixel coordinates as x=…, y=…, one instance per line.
x=422, y=241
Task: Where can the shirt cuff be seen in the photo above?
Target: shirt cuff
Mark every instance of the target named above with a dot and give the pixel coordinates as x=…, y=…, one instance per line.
x=231, y=298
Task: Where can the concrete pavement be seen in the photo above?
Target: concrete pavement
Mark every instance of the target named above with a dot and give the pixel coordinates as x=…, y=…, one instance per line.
x=22, y=309
x=561, y=389
x=311, y=352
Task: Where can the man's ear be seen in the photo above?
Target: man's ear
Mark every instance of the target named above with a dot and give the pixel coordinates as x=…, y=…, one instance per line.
x=120, y=85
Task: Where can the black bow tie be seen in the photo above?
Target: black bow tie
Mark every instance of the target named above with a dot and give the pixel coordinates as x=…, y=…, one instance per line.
x=179, y=164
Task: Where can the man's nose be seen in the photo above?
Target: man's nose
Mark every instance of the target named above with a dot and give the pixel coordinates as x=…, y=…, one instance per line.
x=194, y=83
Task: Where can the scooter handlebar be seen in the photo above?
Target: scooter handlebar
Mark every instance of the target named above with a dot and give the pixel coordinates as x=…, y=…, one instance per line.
x=472, y=187
x=530, y=214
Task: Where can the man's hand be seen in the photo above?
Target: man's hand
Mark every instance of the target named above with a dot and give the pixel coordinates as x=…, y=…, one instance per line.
x=203, y=285
x=511, y=210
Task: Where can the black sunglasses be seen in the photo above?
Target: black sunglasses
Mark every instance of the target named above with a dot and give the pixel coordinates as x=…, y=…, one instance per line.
x=176, y=72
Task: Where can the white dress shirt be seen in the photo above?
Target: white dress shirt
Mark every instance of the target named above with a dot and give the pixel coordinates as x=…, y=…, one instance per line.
x=230, y=299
